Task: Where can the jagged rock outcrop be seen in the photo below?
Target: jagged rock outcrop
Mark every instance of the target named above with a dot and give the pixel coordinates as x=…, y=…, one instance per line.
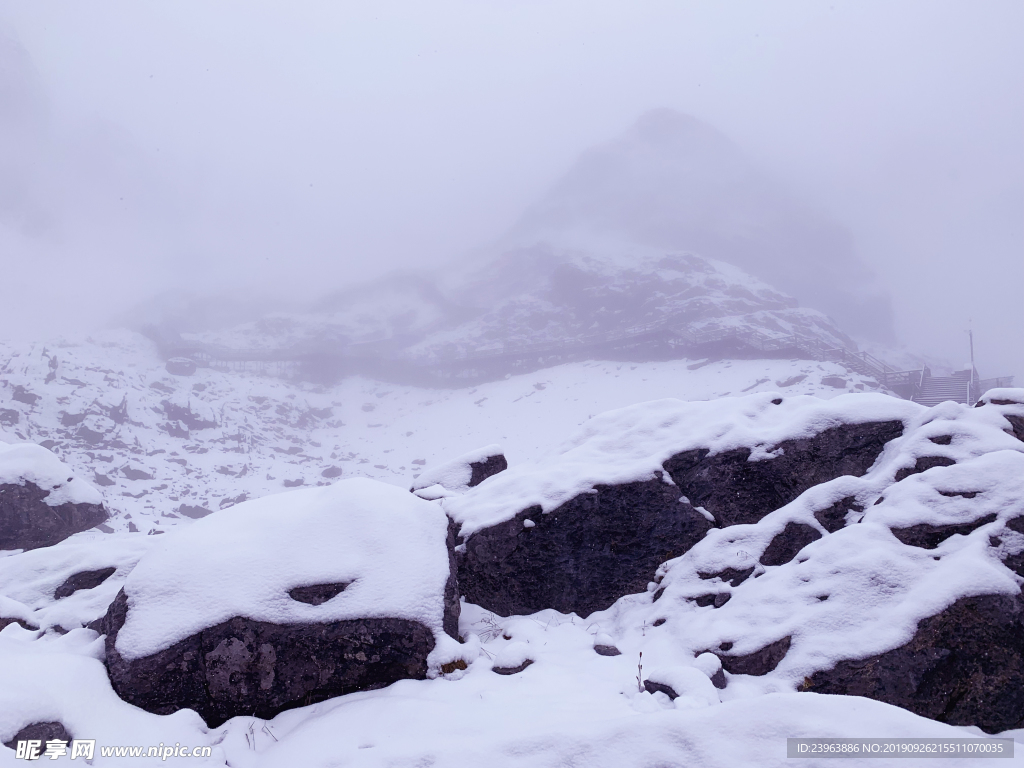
x=608, y=540
x=964, y=666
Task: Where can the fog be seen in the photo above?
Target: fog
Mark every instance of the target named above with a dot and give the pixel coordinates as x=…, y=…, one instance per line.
x=274, y=153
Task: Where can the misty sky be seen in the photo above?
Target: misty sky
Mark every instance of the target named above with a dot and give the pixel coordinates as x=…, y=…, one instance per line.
x=286, y=149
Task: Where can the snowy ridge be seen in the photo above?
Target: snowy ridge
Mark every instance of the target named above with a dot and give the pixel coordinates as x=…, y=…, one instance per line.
x=631, y=444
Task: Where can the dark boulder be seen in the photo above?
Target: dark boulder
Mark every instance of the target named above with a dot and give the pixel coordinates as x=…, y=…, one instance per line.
x=738, y=491
x=28, y=522
x=785, y=545
x=582, y=556
x=964, y=666
x=254, y=668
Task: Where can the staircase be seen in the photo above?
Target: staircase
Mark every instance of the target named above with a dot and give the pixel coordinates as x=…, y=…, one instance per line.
x=938, y=389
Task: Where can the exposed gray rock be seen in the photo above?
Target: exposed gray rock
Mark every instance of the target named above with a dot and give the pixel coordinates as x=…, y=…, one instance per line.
x=738, y=491
x=735, y=576
x=512, y=670
x=923, y=464
x=964, y=666
x=760, y=662
x=28, y=522
x=488, y=467
x=929, y=536
x=607, y=650
x=245, y=667
x=785, y=545
x=582, y=556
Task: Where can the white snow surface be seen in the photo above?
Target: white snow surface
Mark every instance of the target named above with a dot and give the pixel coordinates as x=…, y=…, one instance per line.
x=632, y=443
x=29, y=579
x=385, y=543
x=28, y=462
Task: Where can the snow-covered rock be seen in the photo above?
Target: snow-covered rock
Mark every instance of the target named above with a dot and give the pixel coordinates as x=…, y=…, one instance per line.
x=286, y=600
x=909, y=592
x=593, y=520
x=42, y=501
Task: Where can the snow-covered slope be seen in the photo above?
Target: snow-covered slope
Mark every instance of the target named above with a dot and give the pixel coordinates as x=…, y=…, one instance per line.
x=160, y=446
x=571, y=705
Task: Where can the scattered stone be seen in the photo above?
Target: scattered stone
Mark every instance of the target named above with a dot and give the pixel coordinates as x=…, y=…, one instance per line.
x=22, y=395
x=512, y=670
x=607, y=650
x=82, y=580
x=834, y=381
x=331, y=472
x=187, y=510
x=42, y=732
